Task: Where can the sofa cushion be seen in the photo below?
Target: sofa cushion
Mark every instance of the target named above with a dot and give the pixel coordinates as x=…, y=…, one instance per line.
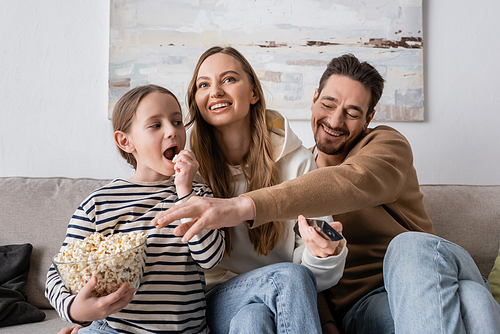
x=52, y=324
x=468, y=215
x=14, y=269
x=37, y=211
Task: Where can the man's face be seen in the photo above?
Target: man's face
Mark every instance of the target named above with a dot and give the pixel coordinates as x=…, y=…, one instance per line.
x=339, y=115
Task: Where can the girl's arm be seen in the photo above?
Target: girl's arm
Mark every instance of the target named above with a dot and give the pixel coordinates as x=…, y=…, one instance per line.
x=79, y=227
x=207, y=247
x=83, y=307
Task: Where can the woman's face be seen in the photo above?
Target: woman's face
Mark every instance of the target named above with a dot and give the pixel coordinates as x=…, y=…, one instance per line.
x=224, y=92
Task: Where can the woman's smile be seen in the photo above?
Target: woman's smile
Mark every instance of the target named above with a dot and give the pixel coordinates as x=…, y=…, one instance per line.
x=218, y=106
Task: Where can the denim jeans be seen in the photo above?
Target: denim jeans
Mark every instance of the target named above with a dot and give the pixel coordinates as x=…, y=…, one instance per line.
x=98, y=327
x=431, y=286
x=278, y=298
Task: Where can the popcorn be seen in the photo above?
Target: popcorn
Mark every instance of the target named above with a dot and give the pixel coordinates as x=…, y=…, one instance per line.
x=114, y=260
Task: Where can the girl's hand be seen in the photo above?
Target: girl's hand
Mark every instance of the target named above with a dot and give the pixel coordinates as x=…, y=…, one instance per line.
x=70, y=330
x=185, y=166
x=315, y=243
x=87, y=307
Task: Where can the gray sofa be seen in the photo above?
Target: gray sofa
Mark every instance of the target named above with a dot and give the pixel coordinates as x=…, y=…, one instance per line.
x=37, y=210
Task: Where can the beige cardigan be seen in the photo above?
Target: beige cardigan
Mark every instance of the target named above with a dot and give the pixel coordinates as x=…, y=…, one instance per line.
x=374, y=193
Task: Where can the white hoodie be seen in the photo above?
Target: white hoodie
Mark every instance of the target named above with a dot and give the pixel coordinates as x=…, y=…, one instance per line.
x=292, y=160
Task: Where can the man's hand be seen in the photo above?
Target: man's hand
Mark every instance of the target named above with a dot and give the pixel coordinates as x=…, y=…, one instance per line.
x=87, y=307
x=206, y=213
x=314, y=242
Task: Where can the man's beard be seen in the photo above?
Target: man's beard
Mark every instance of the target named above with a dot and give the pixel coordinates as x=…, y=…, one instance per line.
x=327, y=146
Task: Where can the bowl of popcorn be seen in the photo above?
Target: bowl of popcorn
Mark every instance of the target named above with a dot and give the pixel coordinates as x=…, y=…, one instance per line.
x=115, y=259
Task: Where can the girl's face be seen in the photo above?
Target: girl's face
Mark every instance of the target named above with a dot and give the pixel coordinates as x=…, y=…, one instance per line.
x=156, y=136
x=224, y=92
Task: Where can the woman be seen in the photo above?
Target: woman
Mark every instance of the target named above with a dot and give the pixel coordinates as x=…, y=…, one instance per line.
x=241, y=146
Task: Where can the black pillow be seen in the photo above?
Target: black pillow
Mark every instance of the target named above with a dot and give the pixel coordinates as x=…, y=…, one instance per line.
x=14, y=268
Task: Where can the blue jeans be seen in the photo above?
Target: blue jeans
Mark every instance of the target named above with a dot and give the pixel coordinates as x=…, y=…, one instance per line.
x=98, y=327
x=431, y=286
x=278, y=298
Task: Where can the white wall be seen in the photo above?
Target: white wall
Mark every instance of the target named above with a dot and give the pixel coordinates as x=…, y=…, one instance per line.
x=53, y=92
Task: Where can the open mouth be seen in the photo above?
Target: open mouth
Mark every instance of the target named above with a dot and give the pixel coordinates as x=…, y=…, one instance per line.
x=219, y=106
x=170, y=153
x=332, y=132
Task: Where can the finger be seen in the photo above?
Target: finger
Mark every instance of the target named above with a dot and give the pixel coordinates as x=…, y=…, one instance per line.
x=76, y=328
x=158, y=217
x=185, y=156
x=182, y=166
x=65, y=330
x=121, y=303
x=86, y=291
x=196, y=227
x=172, y=214
x=183, y=228
x=179, y=165
x=115, y=296
x=303, y=226
x=189, y=154
x=337, y=226
x=320, y=240
x=308, y=233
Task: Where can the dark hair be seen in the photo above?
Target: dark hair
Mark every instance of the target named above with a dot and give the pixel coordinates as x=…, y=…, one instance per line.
x=125, y=109
x=348, y=65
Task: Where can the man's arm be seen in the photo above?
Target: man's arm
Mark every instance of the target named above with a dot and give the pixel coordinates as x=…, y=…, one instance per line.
x=373, y=173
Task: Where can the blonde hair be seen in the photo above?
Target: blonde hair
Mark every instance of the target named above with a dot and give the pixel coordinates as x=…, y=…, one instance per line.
x=126, y=108
x=213, y=166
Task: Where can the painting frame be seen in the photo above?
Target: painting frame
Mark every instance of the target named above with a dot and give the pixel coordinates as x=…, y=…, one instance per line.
x=288, y=42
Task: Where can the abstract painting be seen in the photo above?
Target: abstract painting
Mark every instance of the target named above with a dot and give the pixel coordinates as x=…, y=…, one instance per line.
x=288, y=42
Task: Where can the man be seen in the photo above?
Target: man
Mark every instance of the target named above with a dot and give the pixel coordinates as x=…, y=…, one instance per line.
x=367, y=181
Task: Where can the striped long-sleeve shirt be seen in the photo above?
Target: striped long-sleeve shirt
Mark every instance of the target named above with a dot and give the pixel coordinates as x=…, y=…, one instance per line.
x=171, y=297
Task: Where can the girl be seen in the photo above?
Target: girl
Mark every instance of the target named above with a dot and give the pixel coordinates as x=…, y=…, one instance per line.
x=241, y=146
x=149, y=133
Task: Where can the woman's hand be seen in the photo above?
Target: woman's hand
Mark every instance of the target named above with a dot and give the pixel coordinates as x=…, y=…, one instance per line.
x=314, y=242
x=185, y=166
x=87, y=307
x=206, y=213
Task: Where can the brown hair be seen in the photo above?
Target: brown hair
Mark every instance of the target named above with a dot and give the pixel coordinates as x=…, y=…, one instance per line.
x=125, y=109
x=262, y=171
x=348, y=65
